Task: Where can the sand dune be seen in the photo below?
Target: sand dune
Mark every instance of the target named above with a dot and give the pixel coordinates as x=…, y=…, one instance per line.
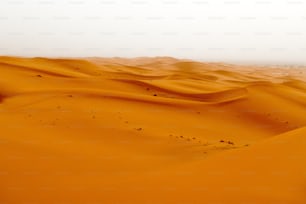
x=150, y=130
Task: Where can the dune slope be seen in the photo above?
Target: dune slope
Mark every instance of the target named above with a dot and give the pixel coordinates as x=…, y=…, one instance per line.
x=150, y=130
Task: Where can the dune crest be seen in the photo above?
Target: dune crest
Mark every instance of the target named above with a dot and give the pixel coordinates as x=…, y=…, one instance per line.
x=152, y=130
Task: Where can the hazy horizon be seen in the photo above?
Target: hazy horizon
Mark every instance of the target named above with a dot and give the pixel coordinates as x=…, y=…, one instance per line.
x=251, y=32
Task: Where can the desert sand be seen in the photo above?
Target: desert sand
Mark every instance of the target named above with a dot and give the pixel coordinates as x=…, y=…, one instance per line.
x=151, y=130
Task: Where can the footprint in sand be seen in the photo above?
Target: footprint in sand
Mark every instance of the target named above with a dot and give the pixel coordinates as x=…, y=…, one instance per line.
x=230, y=142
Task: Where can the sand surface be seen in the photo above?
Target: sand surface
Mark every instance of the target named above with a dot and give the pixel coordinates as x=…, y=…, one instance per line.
x=151, y=130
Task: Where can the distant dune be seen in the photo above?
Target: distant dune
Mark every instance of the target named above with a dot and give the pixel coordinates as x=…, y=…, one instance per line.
x=151, y=130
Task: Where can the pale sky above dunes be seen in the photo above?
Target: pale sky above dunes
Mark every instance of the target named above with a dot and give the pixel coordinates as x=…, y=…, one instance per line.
x=262, y=31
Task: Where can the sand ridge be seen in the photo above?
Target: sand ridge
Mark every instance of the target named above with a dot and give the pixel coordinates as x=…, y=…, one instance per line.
x=152, y=130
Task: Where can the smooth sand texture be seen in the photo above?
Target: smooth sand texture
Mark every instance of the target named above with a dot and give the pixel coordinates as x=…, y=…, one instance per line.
x=150, y=130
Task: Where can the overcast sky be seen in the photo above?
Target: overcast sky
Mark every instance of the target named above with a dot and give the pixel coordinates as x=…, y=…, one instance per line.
x=256, y=31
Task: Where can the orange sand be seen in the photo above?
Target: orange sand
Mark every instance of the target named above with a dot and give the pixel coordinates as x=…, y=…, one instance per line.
x=150, y=130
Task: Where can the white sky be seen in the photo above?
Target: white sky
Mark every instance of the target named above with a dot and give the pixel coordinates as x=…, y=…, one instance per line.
x=256, y=31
